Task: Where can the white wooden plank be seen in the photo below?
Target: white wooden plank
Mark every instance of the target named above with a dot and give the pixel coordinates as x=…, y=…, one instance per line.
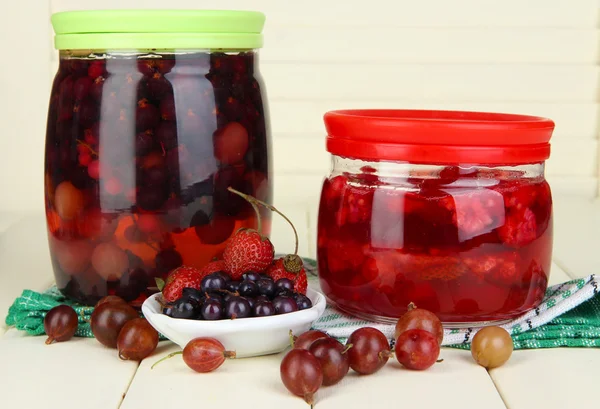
x=576, y=237
x=36, y=375
x=430, y=45
x=429, y=13
x=573, y=120
x=452, y=380
x=24, y=260
x=555, y=378
x=435, y=83
x=538, y=378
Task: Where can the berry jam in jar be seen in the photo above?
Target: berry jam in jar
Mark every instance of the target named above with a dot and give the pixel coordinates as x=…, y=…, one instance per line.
x=153, y=115
x=447, y=210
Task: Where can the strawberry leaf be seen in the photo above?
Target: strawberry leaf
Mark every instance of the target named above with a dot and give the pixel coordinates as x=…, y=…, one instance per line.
x=160, y=283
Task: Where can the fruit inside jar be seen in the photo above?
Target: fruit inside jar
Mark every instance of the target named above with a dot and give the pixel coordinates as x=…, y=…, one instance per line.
x=469, y=243
x=140, y=151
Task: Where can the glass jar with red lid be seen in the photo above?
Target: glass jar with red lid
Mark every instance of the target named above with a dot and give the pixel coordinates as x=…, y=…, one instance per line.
x=153, y=115
x=447, y=210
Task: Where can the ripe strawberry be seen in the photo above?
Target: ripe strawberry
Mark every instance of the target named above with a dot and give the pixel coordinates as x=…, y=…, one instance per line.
x=290, y=267
x=247, y=250
x=178, y=279
x=213, y=267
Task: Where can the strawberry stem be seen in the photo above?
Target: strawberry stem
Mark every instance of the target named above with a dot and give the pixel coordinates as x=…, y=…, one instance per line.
x=253, y=200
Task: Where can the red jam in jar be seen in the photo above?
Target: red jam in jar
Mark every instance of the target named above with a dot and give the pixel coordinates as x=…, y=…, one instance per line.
x=150, y=120
x=448, y=210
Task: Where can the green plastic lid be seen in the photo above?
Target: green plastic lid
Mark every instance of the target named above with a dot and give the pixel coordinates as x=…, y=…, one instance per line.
x=158, y=29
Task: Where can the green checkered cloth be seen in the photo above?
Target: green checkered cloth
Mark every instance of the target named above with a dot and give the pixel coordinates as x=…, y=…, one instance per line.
x=569, y=316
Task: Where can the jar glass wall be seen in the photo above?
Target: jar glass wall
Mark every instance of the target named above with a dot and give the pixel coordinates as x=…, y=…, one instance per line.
x=141, y=147
x=470, y=243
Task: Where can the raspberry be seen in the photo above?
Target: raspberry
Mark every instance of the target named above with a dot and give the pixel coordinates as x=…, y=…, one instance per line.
x=178, y=279
x=519, y=229
x=356, y=206
x=247, y=250
x=289, y=267
x=333, y=190
x=500, y=267
x=344, y=255
x=478, y=212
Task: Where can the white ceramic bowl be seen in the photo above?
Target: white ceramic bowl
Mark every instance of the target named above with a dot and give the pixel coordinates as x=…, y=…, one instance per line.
x=246, y=336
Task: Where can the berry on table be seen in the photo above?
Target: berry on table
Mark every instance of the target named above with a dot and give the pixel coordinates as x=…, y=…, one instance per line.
x=306, y=339
x=333, y=357
x=137, y=340
x=108, y=319
x=417, y=349
x=301, y=374
x=202, y=355
x=60, y=324
x=370, y=350
x=491, y=347
x=419, y=318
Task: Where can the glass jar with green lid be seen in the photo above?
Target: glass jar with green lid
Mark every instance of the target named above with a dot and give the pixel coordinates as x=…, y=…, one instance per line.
x=153, y=115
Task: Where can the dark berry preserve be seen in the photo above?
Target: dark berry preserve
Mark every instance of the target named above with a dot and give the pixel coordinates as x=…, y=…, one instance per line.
x=141, y=147
x=400, y=223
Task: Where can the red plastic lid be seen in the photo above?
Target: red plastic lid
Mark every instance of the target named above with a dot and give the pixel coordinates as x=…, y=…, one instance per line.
x=438, y=136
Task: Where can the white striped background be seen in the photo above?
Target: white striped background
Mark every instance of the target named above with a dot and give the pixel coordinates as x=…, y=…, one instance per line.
x=536, y=57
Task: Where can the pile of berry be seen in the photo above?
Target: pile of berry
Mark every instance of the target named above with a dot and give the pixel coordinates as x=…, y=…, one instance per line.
x=247, y=282
x=256, y=295
x=114, y=323
x=318, y=360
